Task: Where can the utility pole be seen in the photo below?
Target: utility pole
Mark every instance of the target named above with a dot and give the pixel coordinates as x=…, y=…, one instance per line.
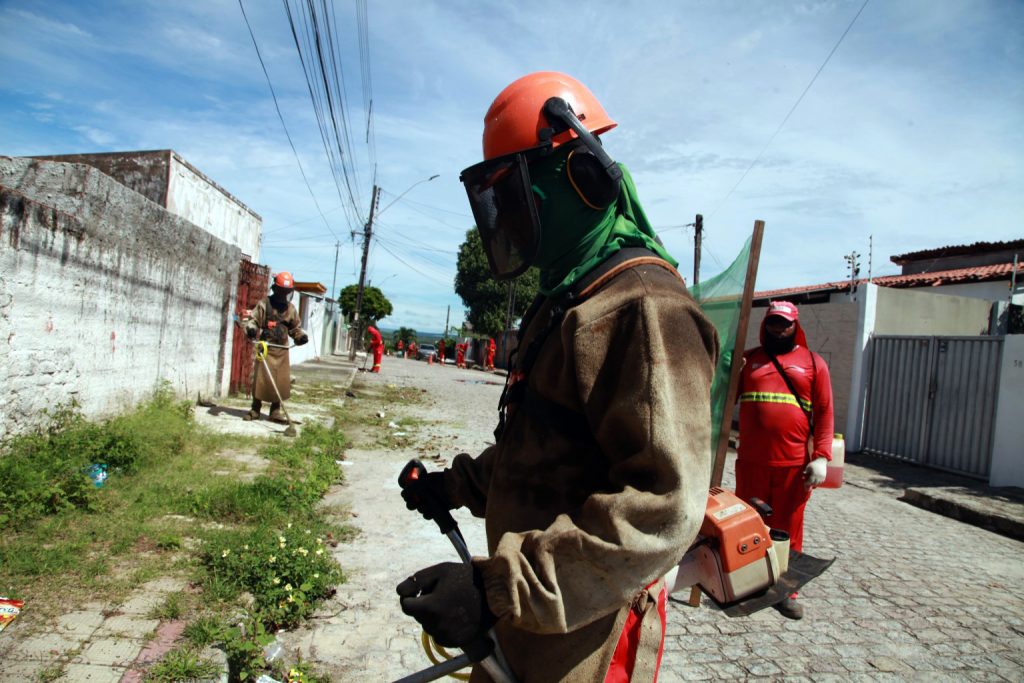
x=871, y=254
x=447, y=317
x=367, y=234
x=334, y=280
x=698, y=230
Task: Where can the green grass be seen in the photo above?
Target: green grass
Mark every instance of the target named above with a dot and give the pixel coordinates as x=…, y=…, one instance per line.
x=181, y=664
x=171, y=505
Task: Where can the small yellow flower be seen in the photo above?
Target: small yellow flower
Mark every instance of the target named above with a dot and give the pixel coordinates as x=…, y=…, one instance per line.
x=303, y=551
x=277, y=580
x=319, y=541
x=271, y=559
x=289, y=525
x=288, y=587
x=291, y=598
x=225, y=553
x=317, y=575
x=319, y=551
x=245, y=547
x=280, y=539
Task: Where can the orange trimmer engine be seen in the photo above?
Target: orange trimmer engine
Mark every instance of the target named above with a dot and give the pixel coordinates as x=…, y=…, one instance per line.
x=736, y=555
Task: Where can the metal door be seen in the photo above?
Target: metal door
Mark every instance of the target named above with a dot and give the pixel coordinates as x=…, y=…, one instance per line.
x=931, y=400
x=253, y=280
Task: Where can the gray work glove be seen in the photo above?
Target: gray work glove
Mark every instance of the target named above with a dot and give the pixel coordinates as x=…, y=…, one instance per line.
x=814, y=473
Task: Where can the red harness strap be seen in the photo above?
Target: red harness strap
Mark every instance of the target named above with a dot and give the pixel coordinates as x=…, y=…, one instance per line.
x=624, y=657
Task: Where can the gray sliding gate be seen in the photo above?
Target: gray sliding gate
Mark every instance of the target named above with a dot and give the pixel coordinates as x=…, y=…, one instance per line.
x=932, y=400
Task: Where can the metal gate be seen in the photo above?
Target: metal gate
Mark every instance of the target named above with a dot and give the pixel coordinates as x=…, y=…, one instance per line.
x=932, y=400
x=253, y=280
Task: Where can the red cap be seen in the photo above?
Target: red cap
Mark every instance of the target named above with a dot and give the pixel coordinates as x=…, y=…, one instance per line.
x=783, y=309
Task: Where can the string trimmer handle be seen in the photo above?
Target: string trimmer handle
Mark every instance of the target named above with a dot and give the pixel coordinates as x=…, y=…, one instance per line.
x=412, y=481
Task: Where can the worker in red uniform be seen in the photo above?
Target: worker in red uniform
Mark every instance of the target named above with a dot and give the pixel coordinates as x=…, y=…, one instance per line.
x=460, y=355
x=376, y=347
x=400, y=347
x=491, y=349
x=440, y=352
x=785, y=399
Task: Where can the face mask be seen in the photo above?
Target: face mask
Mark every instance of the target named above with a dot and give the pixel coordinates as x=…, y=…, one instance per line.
x=778, y=345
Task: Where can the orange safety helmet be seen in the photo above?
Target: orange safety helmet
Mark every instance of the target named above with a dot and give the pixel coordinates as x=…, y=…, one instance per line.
x=516, y=119
x=284, y=280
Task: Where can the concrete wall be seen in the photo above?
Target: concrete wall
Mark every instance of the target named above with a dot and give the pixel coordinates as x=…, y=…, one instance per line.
x=831, y=330
x=995, y=290
x=1008, y=445
x=311, y=310
x=196, y=198
x=103, y=294
x=907, y=311
x=164, y=177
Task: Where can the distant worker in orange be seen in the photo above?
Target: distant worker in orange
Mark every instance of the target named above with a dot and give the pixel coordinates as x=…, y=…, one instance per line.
x=492, y=348
x=460, y=355
x=400, y=347
x=376, y=347
x=413, y=351
x=440, y=352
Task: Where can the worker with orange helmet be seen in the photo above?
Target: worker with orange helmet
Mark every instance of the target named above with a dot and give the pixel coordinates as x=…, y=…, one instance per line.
x=400, y=348
x=440, y=352
x=460, y=355
x=376, y=347
x=597, y=481
x=492, y=348
x=274, y=320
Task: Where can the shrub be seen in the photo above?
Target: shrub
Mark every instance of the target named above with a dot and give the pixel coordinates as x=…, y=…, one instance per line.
x=288, y=571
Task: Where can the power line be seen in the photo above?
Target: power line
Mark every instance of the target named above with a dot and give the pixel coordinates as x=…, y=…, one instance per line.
x=792, y=109
x=278, y=108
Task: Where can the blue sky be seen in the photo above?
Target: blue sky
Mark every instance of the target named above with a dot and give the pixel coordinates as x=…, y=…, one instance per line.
x=913, y=133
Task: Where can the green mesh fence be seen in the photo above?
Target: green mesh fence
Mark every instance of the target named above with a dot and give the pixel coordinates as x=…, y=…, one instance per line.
x=720, y=298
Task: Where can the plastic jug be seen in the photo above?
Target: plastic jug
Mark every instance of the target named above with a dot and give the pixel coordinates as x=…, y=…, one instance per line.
x=834, y=470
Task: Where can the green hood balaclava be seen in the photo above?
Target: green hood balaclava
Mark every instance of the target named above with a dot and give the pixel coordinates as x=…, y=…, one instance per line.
x=575, y=238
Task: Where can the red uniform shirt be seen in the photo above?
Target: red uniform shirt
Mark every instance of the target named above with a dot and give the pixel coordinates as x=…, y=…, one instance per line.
x=773, y=426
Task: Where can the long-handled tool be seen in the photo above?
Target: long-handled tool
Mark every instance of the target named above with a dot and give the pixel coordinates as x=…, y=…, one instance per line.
x=485, y=650
x=261, y=355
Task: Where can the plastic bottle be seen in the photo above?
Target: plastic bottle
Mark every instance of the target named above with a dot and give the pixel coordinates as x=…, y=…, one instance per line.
x=834, y=470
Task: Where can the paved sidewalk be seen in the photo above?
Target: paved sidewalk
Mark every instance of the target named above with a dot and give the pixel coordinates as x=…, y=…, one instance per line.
x=1000, y=510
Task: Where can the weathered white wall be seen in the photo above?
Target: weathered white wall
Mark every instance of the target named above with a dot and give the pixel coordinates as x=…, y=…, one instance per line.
x=198, y=199
x=312, y=324
x=907, y=311
x=103, y=294
x=1008, y=445
x=831, y=330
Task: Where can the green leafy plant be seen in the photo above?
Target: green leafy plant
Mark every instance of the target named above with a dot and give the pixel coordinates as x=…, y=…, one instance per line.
x=288, y=571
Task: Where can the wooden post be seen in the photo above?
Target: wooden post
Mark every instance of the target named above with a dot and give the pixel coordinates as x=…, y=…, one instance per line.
x=737, y=354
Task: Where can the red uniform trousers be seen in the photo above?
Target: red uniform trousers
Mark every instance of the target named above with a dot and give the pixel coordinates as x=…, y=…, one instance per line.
x=378, y=354
x=783, y=489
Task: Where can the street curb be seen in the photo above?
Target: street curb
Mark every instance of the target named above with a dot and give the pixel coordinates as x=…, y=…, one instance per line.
x=985, y=519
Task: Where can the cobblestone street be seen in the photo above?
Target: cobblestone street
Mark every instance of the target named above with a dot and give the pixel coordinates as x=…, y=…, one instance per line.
x=912, y=595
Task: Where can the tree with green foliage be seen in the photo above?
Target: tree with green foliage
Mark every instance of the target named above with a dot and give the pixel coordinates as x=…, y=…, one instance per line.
x=375, y=305
x=485, y=298
x=404, y=334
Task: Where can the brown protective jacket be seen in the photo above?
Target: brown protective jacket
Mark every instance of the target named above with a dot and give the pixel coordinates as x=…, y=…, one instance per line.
x=279, y=326
x=580, y=519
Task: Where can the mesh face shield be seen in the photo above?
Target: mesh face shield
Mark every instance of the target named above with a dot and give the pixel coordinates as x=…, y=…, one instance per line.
x=505, y=211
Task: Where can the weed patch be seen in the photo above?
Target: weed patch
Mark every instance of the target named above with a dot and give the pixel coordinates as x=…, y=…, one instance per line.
x=182, y=664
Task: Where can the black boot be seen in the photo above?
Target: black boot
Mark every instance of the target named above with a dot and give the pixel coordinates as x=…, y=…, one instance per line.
x=254, y=412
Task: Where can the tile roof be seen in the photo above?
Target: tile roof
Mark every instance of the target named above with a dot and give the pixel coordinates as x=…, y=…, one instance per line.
x=1000, y=271
x=956, y=250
